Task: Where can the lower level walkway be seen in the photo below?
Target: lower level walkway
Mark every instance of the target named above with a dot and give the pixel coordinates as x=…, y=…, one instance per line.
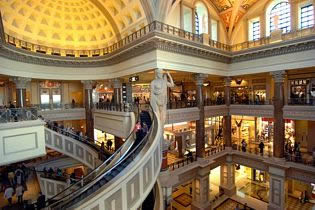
x=30, y=195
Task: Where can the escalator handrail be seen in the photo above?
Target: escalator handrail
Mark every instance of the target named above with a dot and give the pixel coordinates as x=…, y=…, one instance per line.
x=105, y=163
x=92, y=183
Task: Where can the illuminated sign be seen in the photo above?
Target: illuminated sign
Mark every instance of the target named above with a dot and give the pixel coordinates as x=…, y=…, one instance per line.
x=134, y=79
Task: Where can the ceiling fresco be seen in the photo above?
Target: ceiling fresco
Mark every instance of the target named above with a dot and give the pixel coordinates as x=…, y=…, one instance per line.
x=226, y=7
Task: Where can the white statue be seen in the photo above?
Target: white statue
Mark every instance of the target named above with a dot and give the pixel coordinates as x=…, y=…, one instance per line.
x=158, y=98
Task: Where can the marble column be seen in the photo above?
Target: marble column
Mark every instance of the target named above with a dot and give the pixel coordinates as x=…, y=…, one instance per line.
x=200, y=187
x=227, y=126
x=227, y=177
x=117, y=91
x=21, y=83
x=118, y=142
x=88, y=100
x=278, y=103
x=278, y=190
x=167, y=196
x=179, y=142
x=200, y=124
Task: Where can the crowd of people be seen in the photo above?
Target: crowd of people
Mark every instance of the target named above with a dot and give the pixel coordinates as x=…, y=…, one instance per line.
x=11, y=114
x=59, y=174
x=13, y=182
x=293, y=150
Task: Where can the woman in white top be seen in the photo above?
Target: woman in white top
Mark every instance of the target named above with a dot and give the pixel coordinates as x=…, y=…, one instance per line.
x=8, y=193
x=19, y=193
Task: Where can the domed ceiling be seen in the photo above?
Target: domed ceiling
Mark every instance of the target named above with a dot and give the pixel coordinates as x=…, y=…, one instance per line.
x=72, y=24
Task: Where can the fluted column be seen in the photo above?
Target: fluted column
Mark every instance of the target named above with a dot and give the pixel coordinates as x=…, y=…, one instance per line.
x=201, y=184
x=227, y=127
x=117, y=91
x=278, y=103
x=20, y=83
x=200, y=124
x=88, y=88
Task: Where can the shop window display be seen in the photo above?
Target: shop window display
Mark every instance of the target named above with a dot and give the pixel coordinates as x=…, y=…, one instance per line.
x=141, y=93
x=302, y=91
x=104, y=93
x=214, y=131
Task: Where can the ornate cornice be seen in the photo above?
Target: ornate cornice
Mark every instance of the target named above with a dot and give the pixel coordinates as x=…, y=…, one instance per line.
x=281, y=48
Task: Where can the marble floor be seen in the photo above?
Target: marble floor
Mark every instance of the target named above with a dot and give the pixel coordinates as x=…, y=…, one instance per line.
x=32, y=192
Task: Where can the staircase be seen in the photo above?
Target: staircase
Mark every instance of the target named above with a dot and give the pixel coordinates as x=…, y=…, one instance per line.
x=127, y=182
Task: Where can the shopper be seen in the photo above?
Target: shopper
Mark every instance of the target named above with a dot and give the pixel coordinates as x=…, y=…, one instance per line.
x=19, y=193
x=8, y=193
x=41, y=201
x=261, y=147
x=244, y=145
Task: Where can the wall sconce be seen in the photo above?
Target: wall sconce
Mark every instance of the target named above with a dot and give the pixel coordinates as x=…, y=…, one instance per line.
x=238, y=81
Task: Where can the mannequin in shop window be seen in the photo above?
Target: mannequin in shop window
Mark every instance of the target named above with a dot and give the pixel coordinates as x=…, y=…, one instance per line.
x=158, y=98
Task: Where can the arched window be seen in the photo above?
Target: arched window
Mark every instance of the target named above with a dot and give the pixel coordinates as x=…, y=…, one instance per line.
x=279, y=17
x=201, y=18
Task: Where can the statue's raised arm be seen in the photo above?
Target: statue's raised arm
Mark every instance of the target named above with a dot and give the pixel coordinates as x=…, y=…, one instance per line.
x=170, y=83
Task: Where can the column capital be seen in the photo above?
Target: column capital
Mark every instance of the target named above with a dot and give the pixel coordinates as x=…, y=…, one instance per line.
x=117, y=83
x=88, y=84
x=20, y=82
x=200, y=79
x=227, y=81
x=278, y=76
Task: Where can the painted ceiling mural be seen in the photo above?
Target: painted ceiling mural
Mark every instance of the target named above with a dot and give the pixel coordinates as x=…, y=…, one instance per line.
x=226, y=7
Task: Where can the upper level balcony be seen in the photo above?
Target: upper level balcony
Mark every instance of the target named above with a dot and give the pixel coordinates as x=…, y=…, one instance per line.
x=162, y=35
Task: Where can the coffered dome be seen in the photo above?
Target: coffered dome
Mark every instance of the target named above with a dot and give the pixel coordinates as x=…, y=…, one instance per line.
x=71, y=24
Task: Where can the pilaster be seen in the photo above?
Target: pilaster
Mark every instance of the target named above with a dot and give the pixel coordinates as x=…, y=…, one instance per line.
x=294, y=14
x=278, y=190
x=278, y=102
x=200, y=124
x=200, y=187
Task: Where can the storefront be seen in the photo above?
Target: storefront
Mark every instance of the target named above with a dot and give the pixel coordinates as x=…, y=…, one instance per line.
x=50, y=95
x=104, y=93
x=302, y=91
x=141, y=93
x=101, y=136
x=259, y=129
x=181, y=137
x=214, y=130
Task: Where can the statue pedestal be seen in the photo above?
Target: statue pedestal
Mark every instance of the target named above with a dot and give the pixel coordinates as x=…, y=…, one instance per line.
x=276, y=36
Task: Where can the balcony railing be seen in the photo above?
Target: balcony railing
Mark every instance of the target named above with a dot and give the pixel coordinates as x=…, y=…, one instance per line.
x=57, y=106
x=18, y=114
x=251, y=102
x=155, y=26
x=123, y=107
x=190, y=159
x=301, y=101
